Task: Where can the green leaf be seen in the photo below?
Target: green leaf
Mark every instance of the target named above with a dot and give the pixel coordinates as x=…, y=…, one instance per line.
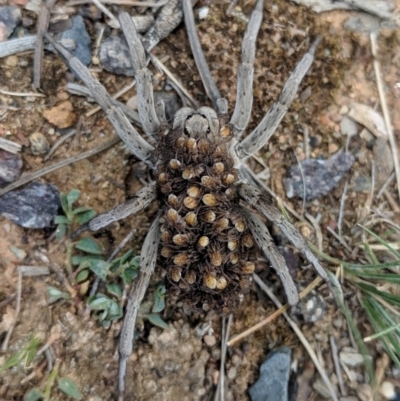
x=156, y=321
x=81, y=209
x=115, y=311
x=393, y=299
x=33, y=395
x=114, y=289
x=386, y=277
x=84, y=217
x=126, y=256
x=78, y=260
x=383, y=242
x=99, y=267
x=64, y=203
x=128, y=275
x=72, y=197
x=60, y=232
x=69, y=387
x=135, y=262
x=159, y=305
x=61, y=220
x=82, y=276
x=100, y=303
x=55, y=294
x=88, y=245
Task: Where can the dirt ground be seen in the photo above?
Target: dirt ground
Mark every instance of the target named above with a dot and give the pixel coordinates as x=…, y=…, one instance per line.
x=182, y=362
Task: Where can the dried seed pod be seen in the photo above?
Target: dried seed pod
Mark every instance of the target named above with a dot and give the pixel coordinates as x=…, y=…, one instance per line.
x=233, y=258
x=180, y=142
x=207, y=181
x=180, y=239
x=188, y=173
x=166, y=188
x=225, y=131
x=209, y=216
x=228, y=179
x=166, y=236
x=203, y=241
x=190, y=277
x=175, y=164
x=216, y=258
x=190, y=203
x=209, y=200
x=166, y=252
x=191, y=144
x=203, y=145
x=221, y=283
x=162, y=178
x=239, y=225
x=220, y=151
x=173, y=200
x=191, y=219
x=176, y=274
x=232, y=244
x=219, y=167
x=247, y=240
x=222, y=224
x=248, y=267
x=172, y=215
x=210, y=281
x=193, y=191
x=180, y=259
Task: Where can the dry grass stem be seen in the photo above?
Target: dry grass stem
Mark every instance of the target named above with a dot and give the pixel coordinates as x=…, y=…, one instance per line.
x=274, y=315
x=385, y=109
x=106, y=11
x=58, y=143
x=10, y=146
x=339, y=238
x=336, y=362
x=49, y=169
x=21, y=94
x=341, y=209
x=385, y=185
x=315, y=223
x=300, y=335
x=121, y=3
x=17, y=310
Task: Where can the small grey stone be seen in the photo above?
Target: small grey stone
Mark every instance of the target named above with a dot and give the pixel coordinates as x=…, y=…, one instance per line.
x=78, y=33
x=274, y=377
x=362, y=22
x=10, y=167
x=348, y=126
x=10, y=17
x=320, y=176
x=34, y=206
x=115, y=57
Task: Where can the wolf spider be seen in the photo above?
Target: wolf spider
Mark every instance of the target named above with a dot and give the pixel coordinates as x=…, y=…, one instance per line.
x=207, y=224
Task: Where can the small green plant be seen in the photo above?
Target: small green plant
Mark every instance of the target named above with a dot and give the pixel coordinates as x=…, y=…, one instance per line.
x=85, y=259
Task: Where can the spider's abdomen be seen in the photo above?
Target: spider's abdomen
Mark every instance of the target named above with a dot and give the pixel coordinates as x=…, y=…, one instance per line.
x=206, y=248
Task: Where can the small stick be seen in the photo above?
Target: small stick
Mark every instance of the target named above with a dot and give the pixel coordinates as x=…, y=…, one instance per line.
x=342, y=202
x=21, y=94
x=385, y=185
x=107, y=12
x=121, y=3
x=17, y=310
x=43, y=25
x=339, y=238
x=301, y=337
x=337, y=366
x=59, y=142
x=317, y=228
x=10, y=146
x=46, y=170
x=385, y=109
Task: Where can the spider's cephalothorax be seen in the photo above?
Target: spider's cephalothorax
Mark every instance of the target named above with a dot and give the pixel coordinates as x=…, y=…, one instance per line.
x=204, y=239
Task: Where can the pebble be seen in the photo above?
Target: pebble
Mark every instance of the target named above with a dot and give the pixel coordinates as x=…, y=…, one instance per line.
x=78, y=33
x=10, y=168
x=62, y=116
x=333, y=148
x=348, y=126
x=272, y=384
x=387, y=389
x=210, y=340
x=320, y=176
x=34, y=206
x=115, y=57
x=352, y=359
x=232, y=373
x=10, y=17
x=39, y=143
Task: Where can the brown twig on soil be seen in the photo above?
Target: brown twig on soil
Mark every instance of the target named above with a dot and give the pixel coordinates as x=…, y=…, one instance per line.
x=339, y=238
x=43, y=25
x=273, y=315
x=46, y=170
x=385, y=109
x=301, y=337
x=17, y=310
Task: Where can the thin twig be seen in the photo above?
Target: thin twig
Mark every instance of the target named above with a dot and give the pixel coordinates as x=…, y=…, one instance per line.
x=301, y=337
x=341, y=209
x=17, y=310
x=339, y=238
x=49, y=169
x=107, y=12
x=10, y=146
x=337, y=366
x=317, y=228
x=21, y=94
x=385, y=185
x=58, y=143
x=385, y=109
x=121, y=2
x=274, y=315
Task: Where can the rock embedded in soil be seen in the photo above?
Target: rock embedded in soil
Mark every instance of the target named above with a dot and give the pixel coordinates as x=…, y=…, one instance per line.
x=34, y=206
x=10, y=168
x=312, y=178
x=274, y=377
x=115, y=57
x=10, y=17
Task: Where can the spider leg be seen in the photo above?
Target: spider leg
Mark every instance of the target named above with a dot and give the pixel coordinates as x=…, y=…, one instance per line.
x=141, y=199
x=147, y=112
x=147, y=263
x=261, y=134
x=266, y=244
x=212, y=91
x=136, y=144
x=244, y=90
x=254, y=197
